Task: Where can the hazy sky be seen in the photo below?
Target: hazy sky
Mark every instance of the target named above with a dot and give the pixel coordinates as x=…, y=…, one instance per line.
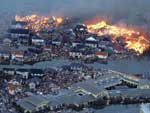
x=130, y=11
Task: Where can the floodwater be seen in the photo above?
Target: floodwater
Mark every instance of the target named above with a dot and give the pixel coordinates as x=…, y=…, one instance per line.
x=120, y=109
x=124, y=65
x=133, y=65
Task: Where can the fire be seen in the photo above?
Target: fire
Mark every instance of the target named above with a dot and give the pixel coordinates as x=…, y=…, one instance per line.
x=134, y=39
x=37, y=23
x=58, y=19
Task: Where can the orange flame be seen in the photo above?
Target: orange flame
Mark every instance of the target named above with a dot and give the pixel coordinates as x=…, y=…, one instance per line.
x=134, y=39
x=37, y=23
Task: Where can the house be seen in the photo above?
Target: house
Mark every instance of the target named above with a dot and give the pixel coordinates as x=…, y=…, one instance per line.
x=15, y=33
x=77, y=66
x=64, y=68
x=80, y=30
x=7, y=41
x=66, y=39
x=118, y=49
x=89, y=54
x=91, y=42
x=75, y=53
x=50, y=71
x=24, y=73
x=37, y=41
x=70, y=33
x=36, y=72
x=18, y=55
x=9, y=71
x=144, y=84
x=102, y=54
x=28, y=55
x=74, y=67
x=4, y=55
x=23, y=39
x=1, y=73
x=33, y=82
x=47, y=48
x=82, y=51
x=76, y=42
x=145, y=108
x=35, y=50
x=32, y=104
x=14, y=87
x=105, y=41
x=18, y=25
x=56, y=42
x=105, y=38
x=131, y=80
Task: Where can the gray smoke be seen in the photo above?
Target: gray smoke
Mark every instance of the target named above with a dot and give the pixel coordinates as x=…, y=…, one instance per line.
x=136, y=12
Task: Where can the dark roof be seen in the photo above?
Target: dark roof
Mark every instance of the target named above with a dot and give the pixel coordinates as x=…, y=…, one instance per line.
x=75, y=50
x=88, y=52
x=56, y=40
x=23, y=70
x=19, y=31
x=48, y=42
x=73, y=65
x=34, y=79
x=106, y=38
x=77, y=41
x=4, y=52
x=35, y=50
x=79, y=27
x=65, y=67
x=29, y=54
x=23, y=37
x=79, y=48
x=37, y=37
x=77, y=65
x=8, y=69
x=23, y=23
x=36, y=71
x=50, y=71
x=91, y=42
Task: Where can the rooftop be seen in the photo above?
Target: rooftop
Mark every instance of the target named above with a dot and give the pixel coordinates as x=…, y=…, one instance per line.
x=19, y=22
x=19, y=31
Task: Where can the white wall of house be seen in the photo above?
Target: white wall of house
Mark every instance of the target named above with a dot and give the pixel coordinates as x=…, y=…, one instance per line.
x=102, y=56
x=32, y=85
x=23, y=74
x=75, y=54
x=18, y=35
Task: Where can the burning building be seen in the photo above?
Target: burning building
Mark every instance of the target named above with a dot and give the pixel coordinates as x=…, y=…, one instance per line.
x=133, y=38
x=37, y=23
x=128, y=37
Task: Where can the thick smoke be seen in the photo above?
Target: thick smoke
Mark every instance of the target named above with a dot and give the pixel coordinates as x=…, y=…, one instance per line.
x=135, y=12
